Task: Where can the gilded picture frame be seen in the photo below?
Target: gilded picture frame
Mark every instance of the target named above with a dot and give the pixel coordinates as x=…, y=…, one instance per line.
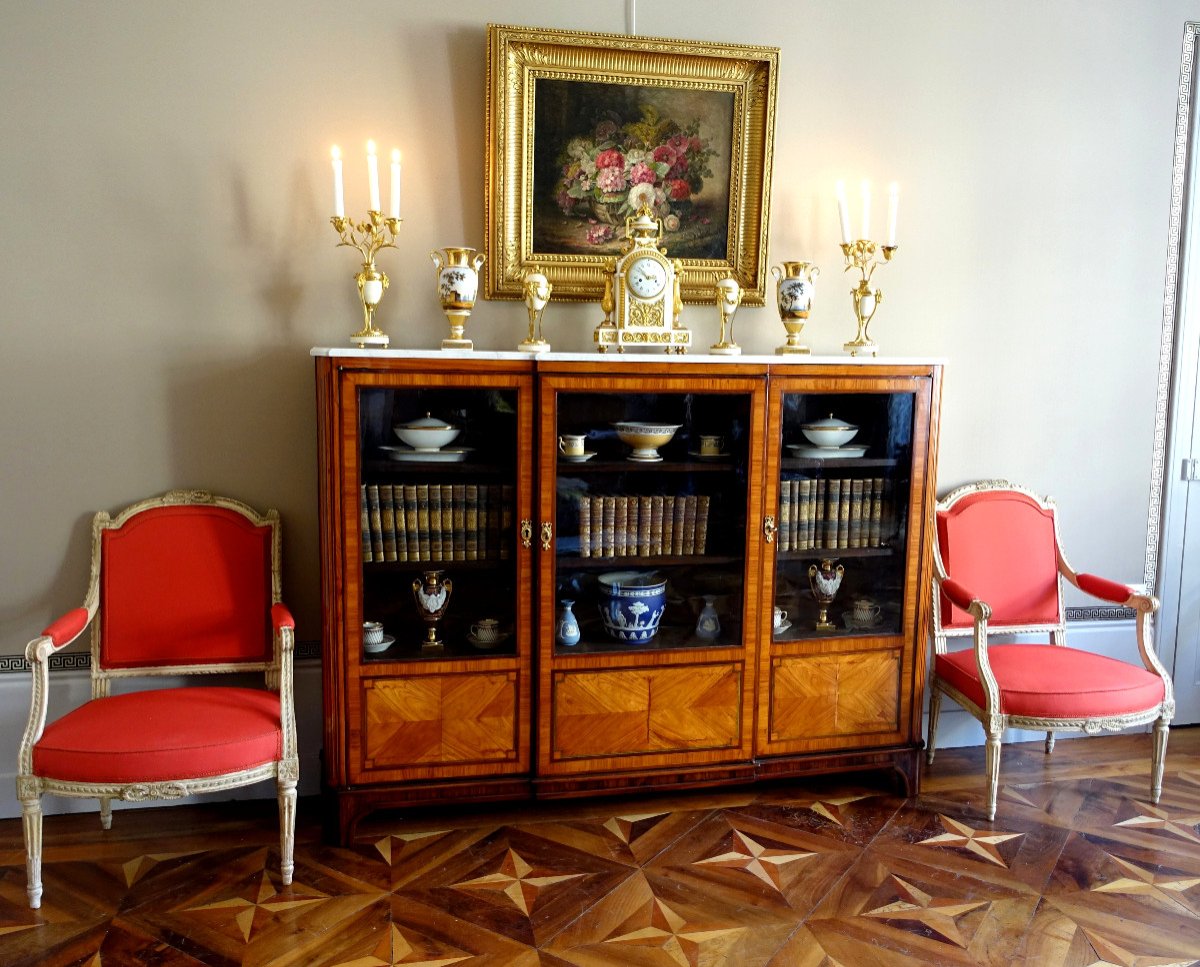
x=583, y=127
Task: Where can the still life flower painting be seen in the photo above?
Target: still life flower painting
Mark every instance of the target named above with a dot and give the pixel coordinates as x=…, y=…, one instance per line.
x=604, y=150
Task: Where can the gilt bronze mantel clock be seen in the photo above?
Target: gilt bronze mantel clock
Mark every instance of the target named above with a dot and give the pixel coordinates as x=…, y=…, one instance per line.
x=641, y=300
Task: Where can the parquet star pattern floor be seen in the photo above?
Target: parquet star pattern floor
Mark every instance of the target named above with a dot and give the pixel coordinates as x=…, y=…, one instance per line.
x=1078, y=868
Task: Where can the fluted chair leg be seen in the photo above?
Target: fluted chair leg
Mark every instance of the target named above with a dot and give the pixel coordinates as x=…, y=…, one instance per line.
x=992, y=759
x=1049, y=742
x=105, y=812
x=935, y=710
x=31, y=825
x=287, y=828
x=1161, y=730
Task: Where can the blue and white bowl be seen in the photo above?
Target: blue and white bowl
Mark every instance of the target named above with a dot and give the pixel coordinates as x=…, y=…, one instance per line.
x=632, y=604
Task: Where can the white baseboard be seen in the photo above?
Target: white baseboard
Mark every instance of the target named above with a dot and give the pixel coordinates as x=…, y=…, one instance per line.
x=69, y=688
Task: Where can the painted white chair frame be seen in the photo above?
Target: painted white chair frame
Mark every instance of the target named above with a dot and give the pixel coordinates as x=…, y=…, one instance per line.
x=279, y=677
x=993, y=720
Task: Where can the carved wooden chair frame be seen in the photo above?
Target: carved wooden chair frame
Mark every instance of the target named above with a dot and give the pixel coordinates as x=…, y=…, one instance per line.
x=993, y=720
x=278, y=672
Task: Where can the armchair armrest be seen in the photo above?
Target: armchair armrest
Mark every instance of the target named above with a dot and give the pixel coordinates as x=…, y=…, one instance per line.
x=58, y=634
x=282, y=618
x=1115, y=592
x=963, y=597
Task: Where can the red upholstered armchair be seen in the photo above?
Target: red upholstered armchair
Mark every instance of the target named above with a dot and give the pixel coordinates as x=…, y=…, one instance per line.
x=999, y=564
x=183, y=584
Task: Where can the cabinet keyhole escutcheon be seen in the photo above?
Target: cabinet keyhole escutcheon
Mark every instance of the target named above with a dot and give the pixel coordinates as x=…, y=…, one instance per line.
x=769, y=528
x=526, y=533
x=547, y=534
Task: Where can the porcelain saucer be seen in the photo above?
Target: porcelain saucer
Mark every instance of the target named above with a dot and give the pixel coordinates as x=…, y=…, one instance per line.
x=498, y=640
x=855, y=625
x=781, y=628
x=388, y=641
x=709, y=456
x=409, y=455
x=577, y=457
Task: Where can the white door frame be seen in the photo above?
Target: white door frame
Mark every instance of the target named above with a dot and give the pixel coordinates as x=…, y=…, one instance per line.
x=1175, y=403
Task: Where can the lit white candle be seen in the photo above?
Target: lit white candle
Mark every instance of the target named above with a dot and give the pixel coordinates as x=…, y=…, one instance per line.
x=339, y=203
x=395, y=209
x=866, y=203
x=843, y=212
x=373, y=176
x=893, y=204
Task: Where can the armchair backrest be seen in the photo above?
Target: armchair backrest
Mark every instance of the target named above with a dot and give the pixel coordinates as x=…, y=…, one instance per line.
x=183, y=580
x=1000, y=542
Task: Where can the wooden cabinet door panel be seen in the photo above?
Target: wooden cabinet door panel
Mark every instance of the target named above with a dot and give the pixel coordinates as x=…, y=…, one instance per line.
x=439, y=719
x=646, y=711
x=823, y=699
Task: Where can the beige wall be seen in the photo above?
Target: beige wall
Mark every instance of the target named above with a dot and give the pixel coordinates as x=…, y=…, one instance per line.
x=166, y=260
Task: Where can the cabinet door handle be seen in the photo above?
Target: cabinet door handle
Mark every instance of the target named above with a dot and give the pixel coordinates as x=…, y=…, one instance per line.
x=547, y=534
x=769, y=528
x=526, y=533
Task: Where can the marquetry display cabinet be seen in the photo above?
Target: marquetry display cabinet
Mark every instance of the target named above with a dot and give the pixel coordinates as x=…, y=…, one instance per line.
x=750, y=674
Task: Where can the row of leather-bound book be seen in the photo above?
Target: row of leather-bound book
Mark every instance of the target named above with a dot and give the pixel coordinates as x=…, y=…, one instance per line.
x=436, y=522
x=816, y=514
x=623, y=525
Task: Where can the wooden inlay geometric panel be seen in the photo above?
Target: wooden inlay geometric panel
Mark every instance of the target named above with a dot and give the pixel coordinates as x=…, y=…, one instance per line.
x=439, y=718
x=646, y=710
x=814, y=696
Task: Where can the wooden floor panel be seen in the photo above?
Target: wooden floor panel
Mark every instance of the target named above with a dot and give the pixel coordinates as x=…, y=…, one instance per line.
x=1078, y=868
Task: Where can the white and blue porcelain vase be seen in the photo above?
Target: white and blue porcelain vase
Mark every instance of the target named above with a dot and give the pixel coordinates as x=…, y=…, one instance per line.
x=566, y=629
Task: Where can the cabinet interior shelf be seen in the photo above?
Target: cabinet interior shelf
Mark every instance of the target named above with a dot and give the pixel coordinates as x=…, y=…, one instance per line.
x=814, y=463
x=828, y=553
x=658, y=560
x=417, y=468
x=439, y=563
x=574, y=469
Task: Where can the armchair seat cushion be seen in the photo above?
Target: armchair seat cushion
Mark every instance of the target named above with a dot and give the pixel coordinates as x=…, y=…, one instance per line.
x=162, y=735
x=1049, y=681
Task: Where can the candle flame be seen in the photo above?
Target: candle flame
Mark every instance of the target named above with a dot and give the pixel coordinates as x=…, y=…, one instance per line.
x=396, y=155
x=335, y=152
x=370, y=147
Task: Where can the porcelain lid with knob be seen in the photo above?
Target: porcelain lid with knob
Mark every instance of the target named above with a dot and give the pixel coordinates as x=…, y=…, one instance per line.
x=426, y=422
x=828, y=423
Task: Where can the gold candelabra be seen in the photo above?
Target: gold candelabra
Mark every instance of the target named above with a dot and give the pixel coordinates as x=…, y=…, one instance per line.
x=860, y=255
x=368, y=238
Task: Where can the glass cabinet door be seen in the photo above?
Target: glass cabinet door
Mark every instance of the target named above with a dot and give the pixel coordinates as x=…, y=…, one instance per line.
x=844, y=495
x=437, y=493
x=650, y=505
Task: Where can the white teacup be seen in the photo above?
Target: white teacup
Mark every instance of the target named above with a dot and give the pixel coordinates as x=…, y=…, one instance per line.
x=372, y=633
x=710, y=446
x=864, y=611
x=780, y=618
x=486, y=629
x=571, y=444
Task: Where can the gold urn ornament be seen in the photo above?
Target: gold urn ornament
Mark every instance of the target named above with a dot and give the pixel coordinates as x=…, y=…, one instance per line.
x=641, y=300
x=458, y=285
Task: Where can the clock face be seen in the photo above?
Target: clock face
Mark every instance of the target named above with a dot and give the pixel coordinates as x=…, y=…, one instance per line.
x=646, y=277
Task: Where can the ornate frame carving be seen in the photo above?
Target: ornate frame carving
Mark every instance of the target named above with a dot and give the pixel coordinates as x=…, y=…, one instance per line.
x=519, y=56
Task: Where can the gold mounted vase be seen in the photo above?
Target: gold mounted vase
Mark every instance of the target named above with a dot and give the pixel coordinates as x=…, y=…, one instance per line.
x=729, y=297
x=431, y=594
x=794, y=297
x=537, y=289
x=458, y=286
x=825, y=579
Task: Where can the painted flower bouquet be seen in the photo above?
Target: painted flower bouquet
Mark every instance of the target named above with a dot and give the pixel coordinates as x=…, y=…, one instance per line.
x=620, y=167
